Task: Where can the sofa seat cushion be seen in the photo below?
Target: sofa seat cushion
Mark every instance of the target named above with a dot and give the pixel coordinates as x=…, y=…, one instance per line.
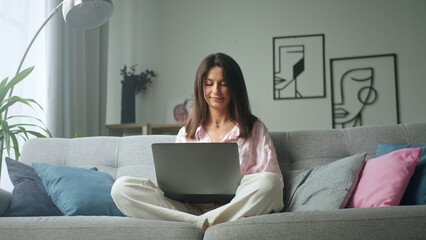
x=401, y=222
x=94, y=227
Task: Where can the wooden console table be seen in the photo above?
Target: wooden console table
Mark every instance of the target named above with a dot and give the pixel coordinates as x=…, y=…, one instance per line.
x=127, y=129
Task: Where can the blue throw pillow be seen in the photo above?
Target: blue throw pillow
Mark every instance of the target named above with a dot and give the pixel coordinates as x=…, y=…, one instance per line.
x=415, y=193
x=78, y=191
x=29, y=198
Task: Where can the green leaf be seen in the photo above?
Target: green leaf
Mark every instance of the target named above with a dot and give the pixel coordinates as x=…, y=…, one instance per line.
x=18, y=78
x=15, y=146
x=6, y=135
x=3, y=90
x=25, y=132
x=37, y=134
x=25, y=116
x=2, y=86
x=20, y=125
x=14, y=99
x=24, y=124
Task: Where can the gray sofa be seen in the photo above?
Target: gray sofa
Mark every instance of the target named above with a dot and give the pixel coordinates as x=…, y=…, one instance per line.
x=131, y=155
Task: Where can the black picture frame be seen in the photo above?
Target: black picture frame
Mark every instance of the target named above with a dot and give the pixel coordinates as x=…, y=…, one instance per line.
x=299, y=67
x=364, y=90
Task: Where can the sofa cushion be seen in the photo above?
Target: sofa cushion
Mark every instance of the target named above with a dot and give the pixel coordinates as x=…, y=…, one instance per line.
x=415, y=194
x=78, y=191
x=29, y=197
x=385, y=178
x=400, y=222
x=322, y=188
x=95, y=228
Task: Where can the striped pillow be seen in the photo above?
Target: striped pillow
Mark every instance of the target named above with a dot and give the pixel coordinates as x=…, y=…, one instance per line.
x=324, y=187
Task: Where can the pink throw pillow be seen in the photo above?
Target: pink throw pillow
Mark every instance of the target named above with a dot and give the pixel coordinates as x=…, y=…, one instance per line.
x=384, y=179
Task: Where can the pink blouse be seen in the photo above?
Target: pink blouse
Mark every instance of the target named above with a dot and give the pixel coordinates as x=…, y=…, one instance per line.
x=257, y=153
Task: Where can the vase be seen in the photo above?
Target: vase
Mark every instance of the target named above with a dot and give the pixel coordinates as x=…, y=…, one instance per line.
x=128, y=103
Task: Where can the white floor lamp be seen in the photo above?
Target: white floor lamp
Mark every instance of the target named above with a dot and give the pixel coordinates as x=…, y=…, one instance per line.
x=80, y=14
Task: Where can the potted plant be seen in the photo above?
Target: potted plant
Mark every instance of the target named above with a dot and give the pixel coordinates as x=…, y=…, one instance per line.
x=132, y=84
x=10, y=131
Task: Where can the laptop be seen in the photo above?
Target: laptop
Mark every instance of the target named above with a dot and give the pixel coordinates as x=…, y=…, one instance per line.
x=197, y=172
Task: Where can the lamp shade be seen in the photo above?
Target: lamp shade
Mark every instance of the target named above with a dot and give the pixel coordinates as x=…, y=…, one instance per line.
x=86, y=14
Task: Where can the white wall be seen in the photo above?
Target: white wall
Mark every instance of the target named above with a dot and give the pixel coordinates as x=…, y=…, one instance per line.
x=171, y=37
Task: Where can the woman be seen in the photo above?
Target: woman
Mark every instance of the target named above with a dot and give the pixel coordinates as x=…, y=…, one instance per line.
x=220, y=113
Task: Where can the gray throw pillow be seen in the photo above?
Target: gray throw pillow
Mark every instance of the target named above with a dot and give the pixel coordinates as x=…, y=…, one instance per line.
x=5, y=198
x=324, y=187
x=29, y=197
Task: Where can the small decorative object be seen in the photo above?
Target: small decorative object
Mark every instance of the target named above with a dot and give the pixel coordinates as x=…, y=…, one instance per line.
x=132, y=84
x=180, y=113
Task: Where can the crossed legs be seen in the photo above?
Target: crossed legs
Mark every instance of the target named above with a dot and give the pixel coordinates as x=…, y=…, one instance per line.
x=259, y=193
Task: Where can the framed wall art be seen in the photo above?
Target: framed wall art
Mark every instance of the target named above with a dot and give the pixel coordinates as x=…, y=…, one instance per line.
x=364, y=90
x=299, y=67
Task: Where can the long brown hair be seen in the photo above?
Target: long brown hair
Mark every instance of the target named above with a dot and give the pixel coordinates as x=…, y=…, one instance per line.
x=239, y=104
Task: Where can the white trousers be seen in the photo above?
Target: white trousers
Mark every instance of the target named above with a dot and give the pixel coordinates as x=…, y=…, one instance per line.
x=258, y=194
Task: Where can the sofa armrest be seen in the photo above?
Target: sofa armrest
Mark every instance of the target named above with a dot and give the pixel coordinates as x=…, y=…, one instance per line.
x=5, y=198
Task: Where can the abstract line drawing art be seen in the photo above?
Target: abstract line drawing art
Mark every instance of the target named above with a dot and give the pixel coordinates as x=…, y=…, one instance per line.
x=364, y=90
x=356, y=85
x=299, y=69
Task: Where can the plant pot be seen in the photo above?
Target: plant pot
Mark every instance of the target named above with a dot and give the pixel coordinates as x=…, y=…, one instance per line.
x=128, y=103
